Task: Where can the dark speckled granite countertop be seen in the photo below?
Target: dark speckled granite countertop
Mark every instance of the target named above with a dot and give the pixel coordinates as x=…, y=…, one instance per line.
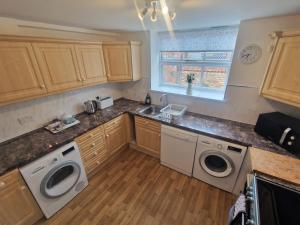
x=26, y=148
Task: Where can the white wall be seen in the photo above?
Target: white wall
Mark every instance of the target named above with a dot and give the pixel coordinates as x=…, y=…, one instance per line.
x=20, y=118
x=9, y=26
x=242, y=102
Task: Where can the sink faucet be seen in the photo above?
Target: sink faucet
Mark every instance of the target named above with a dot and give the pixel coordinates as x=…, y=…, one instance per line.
x=163, y=100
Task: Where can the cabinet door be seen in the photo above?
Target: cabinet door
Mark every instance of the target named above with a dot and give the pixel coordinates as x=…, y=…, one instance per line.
x=58, y=65
x=283, y=77
x=17, y=205
x=115, y=131
x=20, y=77
x=118, y=62
x=148, y=139
x=91, y=63
x=115, y=139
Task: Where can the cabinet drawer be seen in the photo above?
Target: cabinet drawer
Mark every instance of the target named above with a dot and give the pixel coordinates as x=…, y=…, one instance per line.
x=92, y=144
x=92, y=152
x=95, y=161
x=114, y=123
x=90, y=136
x=9, y=179
x=149, y=124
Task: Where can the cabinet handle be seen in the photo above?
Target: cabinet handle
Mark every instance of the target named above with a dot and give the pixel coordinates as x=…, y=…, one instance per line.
x=42, y=86
x=23, y=187
x=2, y=184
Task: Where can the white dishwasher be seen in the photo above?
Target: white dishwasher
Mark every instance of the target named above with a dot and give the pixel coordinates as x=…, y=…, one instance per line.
x=178, y=149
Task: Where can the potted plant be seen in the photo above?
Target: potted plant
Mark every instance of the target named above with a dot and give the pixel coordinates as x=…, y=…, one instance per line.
x=189, y=79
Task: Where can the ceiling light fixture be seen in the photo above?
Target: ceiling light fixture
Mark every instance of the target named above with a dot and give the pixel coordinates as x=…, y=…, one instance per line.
x=154, y=6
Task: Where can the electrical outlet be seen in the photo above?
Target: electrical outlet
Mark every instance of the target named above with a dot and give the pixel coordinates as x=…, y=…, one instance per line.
x=25, y=119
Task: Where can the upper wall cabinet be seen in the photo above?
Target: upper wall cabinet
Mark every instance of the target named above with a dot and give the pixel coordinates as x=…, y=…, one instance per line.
x=282, y=82
x=122, y=61
x=58, y=65
x=91, y=63
x=20, y=76
x=35, y=67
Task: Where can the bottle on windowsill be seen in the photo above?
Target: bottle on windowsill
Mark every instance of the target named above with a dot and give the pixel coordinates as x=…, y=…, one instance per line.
x=148, y=99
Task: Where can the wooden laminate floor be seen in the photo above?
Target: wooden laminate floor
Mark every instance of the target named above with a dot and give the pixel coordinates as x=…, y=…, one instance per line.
x=136, y=189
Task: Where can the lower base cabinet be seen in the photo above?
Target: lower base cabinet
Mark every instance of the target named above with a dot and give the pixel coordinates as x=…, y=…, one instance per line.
x=115, y=132
x=148, y=134
x=97, y=145
x=17, y=205
x=92, y=146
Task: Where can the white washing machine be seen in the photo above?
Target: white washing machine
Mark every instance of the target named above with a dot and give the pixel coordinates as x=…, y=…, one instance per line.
x=56, y=178
x=218, y=162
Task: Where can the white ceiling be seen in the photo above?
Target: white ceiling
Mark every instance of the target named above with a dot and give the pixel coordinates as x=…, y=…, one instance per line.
x=122, y=14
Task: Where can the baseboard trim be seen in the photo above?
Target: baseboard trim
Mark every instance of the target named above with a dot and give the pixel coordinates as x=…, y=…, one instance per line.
x=134, y=146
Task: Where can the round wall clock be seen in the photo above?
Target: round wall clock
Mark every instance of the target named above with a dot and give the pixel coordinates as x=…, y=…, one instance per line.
x=250, y=54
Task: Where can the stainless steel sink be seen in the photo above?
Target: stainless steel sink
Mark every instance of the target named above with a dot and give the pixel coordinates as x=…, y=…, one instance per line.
x=151, y=111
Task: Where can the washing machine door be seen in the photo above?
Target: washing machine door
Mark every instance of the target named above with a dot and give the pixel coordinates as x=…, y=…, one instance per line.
x=60, y=180
x=216, y=164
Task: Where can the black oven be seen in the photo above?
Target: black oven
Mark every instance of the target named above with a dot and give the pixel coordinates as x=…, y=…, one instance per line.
x=270, y=203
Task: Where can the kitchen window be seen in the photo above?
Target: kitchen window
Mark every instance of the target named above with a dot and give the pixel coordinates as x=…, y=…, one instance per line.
x=204, y=54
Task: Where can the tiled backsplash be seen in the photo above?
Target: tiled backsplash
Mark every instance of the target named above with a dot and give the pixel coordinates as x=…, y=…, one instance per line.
x=20, y=118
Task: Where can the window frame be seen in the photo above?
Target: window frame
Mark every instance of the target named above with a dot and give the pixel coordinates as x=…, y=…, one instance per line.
x=202, y=63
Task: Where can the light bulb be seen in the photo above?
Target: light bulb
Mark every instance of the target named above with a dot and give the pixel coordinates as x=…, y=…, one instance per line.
x=165, y=10
x=153, y=16
x=143, y=13
x=172, y=15
x=141, y=17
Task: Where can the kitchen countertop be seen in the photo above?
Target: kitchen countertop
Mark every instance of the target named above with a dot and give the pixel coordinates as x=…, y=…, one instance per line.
x=26, y=148
x=277, y=166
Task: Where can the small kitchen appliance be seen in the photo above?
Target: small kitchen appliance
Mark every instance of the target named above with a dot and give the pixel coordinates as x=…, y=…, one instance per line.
x=280, y=129
x=90, y=106
x=103, y=103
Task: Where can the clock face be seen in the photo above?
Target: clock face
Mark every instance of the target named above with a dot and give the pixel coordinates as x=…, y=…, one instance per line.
x=250, y=54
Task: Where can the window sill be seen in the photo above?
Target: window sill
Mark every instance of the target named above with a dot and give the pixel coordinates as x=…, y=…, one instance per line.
x=204, y=93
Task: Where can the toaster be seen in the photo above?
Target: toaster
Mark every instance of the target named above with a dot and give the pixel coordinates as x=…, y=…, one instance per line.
x=280, y=129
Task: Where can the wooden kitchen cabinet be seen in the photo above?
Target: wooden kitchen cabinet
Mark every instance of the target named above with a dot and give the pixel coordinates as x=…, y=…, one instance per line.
x=148, y=134
x=129, y=125
x=122, y=61
x=58, y=65
x=17, y=205
x=93, y=150
x=91, y=63
x=35, y=67
x=116, y=137
x=20, y=76
x=282, y=81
